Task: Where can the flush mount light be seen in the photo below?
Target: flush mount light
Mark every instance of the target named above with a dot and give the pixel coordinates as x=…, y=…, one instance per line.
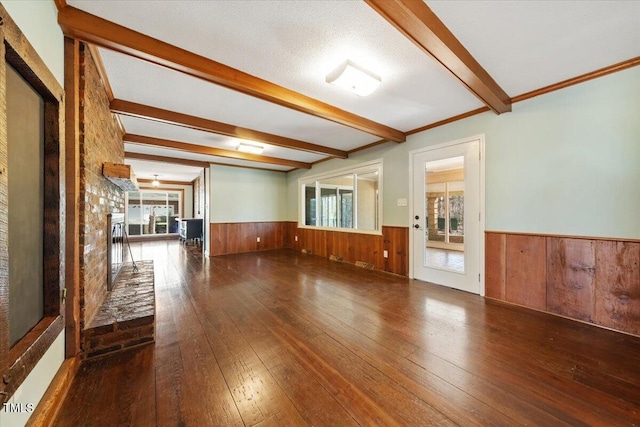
x=250, y=148
x=354, y=78
x=155, y=182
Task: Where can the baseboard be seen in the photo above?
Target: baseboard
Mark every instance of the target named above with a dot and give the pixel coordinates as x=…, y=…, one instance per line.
x=47, y=410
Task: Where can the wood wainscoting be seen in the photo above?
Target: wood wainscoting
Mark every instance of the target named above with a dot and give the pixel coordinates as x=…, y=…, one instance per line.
x=594, y=280
x=232, y=238
x=239, y=237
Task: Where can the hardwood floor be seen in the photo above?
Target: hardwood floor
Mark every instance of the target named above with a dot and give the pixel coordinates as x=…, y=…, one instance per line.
x=281, y=338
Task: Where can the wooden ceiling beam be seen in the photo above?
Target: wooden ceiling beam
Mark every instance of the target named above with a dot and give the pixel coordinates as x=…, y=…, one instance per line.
x=419, y=24
x=164, y=182
x=93, y=29
x=133, y=109
x=212, y=151
x=165, y=159
x=195, y=163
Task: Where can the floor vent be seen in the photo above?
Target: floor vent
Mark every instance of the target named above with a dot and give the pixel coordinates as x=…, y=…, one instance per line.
x=363, y=264
x=336, y=258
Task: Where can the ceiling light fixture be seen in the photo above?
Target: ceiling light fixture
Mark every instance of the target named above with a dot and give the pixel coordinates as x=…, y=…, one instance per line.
x=155, y=182
x=250, y=148
x=354, y=78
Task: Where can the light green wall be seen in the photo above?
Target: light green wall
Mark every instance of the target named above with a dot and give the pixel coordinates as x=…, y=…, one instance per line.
x=245, y=195
x=38, y=21
x=563, y=163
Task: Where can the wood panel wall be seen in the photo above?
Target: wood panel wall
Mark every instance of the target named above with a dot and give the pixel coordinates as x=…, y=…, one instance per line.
x=231, y=238
x=239, y=237
x=589, y=279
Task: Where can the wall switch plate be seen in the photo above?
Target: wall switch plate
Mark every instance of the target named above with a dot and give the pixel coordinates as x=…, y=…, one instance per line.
x=296, y=238
x=258, y=240
x=385, y=254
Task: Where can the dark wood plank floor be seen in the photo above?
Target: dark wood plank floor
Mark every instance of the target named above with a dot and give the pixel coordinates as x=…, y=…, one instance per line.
x=281, y=338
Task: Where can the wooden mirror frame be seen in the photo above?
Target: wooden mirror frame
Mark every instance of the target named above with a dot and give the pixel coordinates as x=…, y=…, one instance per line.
x=17, y=361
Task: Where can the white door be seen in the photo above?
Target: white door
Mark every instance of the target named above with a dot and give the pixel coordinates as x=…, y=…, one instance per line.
x=446, y=221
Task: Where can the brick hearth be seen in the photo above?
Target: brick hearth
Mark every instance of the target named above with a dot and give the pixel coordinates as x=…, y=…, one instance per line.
x=127, y=316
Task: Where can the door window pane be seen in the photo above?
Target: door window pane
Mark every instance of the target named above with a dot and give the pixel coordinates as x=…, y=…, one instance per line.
x=456, y=212
x=444, y=242
x=436, y=211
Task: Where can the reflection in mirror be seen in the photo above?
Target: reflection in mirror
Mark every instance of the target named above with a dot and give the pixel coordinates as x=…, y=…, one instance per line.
x=444, y=219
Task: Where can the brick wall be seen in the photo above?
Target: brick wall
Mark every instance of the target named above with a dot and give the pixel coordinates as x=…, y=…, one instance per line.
x=100, y=141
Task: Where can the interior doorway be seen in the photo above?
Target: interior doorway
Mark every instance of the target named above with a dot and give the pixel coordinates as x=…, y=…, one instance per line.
x=447, y=214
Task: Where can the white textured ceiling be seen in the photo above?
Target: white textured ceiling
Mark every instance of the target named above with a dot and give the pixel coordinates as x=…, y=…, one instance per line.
x=148, y=84
x=155, y=129
x=145, y=169
x=524, y=45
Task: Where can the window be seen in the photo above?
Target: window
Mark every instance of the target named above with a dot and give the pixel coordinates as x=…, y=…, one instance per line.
x=153, y=212
x=346, y=199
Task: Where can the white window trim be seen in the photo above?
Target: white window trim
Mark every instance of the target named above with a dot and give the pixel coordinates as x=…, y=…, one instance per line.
x=152, y=190
x=370, y=166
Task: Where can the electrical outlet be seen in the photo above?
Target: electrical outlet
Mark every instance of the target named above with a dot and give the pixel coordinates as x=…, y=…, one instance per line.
x=296, y=238
x=385, y=254
x=258, y=239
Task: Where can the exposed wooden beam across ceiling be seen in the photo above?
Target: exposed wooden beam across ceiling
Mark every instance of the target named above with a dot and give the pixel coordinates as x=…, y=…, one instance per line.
x=133, y=109
x=93, y=29
x=164, y=182
x=419, y=24
x=212, y=151
x=164, y=159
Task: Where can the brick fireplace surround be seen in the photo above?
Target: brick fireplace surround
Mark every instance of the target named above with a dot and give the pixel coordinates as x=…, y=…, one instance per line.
x=127, y=316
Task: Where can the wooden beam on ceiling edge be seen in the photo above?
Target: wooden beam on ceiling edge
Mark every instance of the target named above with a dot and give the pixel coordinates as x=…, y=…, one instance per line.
x=195, y=163
x=419, y=24
x=212, y=151
x=164, y=159
x=132, y=109
x=163, y=182
x=93, y=29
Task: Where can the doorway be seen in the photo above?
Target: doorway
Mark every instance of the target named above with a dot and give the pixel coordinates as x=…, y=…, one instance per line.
x=447, y=214
x=153, y=212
